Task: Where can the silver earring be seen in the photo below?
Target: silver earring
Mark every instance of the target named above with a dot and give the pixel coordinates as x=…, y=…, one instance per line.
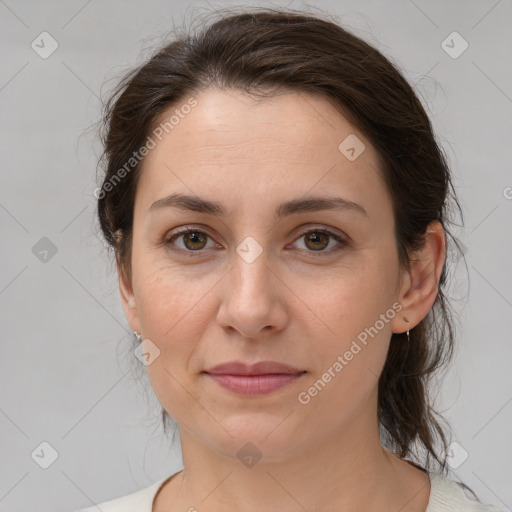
x=138, y=336
x=408, y=336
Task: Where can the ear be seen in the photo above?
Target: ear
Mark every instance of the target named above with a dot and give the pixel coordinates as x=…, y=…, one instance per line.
x=421, y=284
x=128, y=299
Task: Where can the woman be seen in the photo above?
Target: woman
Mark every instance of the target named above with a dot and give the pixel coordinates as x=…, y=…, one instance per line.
x=277, y=204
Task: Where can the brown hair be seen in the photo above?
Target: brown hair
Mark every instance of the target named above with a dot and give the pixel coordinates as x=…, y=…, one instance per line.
x=266, y=50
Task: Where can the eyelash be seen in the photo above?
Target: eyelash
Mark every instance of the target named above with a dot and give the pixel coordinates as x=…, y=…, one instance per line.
x=183, y=231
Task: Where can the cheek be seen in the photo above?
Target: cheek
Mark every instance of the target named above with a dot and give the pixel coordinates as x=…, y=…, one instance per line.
x=351, y=302
x=171, y=315
x=169, y=310
x=357, y=310
x=167, y=299
x=352, y=359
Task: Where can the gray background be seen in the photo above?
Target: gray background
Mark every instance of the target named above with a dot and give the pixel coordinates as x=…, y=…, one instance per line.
x=65, y=366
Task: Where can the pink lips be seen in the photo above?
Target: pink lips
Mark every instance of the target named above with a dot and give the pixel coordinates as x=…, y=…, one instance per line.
x=259, y=378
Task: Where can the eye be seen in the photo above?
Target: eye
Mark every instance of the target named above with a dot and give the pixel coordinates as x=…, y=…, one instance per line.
x=193, y=240
x=318, y=240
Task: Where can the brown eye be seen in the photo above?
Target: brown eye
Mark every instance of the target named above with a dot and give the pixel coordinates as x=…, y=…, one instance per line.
x=321, y=241
x=194, y=240
x=188, y=241
x=316, y=240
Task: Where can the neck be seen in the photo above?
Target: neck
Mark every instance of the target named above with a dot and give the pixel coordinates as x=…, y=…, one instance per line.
x=352, y=470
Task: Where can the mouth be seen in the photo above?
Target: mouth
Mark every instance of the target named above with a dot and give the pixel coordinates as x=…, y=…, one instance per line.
x=254, y=384
x=260, y=378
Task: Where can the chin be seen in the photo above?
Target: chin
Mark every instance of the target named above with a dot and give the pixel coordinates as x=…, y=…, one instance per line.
x=261, y=439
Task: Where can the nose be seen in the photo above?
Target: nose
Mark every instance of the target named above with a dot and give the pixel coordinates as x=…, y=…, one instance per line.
x=253, y=299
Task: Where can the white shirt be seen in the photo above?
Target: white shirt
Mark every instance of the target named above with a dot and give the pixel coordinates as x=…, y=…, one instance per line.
x=445, y=496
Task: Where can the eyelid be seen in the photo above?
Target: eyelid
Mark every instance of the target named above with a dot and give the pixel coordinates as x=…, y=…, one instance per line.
x=168, y=238
x=342, y=239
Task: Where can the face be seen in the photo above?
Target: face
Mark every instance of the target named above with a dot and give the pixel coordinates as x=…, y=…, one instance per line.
x=306, y=288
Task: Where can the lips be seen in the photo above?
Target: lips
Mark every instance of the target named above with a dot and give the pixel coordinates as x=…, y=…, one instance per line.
x=255, y=379
x=260, y=368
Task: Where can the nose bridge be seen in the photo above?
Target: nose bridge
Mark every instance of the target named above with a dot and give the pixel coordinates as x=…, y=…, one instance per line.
x=250, y=301
x=250, y=267
x=252, y=251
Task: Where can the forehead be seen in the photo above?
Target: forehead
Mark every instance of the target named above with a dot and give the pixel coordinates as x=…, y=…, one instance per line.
x=231, y=145
x=234, y=122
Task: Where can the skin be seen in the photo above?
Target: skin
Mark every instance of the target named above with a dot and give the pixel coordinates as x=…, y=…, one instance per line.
x=287, y=306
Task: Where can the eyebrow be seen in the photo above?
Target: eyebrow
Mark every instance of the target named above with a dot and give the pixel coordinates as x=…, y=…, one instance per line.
x=295, y=206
